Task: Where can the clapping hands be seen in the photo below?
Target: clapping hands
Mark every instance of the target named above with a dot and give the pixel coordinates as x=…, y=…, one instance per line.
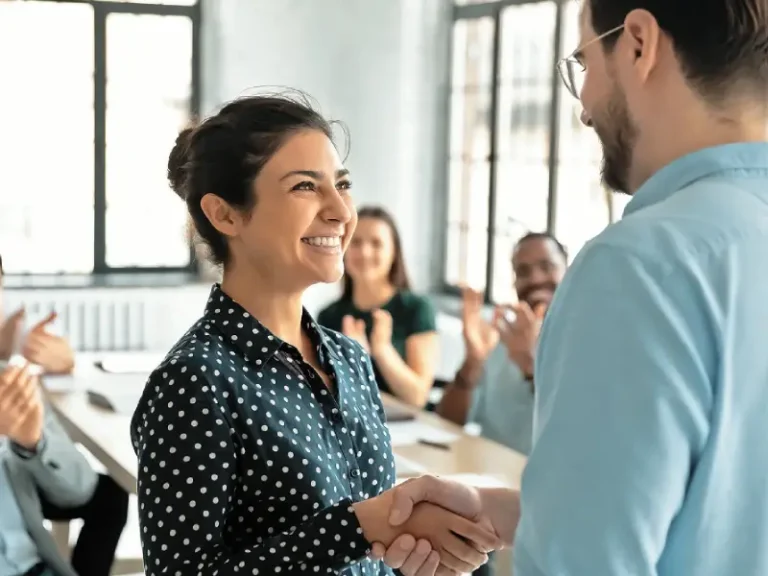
x=381, y=332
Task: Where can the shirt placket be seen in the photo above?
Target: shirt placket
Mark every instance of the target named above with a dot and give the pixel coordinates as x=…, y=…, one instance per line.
x=333, y=414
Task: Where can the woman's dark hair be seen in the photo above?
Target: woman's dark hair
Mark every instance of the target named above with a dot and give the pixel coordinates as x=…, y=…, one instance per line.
x=398, y=275
x=225, y=153
x=720, y=43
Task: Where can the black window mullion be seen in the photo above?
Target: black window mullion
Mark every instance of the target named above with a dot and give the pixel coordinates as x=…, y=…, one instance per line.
x=554, y=121
x=99, y=138
x=493, y=155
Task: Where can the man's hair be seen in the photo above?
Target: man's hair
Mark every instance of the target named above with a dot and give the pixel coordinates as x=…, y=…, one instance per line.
x=543, y=236
x=721, y=44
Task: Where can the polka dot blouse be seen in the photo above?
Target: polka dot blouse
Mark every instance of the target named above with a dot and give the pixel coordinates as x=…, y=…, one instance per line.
x=248, y=464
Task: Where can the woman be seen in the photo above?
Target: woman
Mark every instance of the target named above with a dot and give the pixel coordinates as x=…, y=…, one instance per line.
x=261, y=442
x=377, y=309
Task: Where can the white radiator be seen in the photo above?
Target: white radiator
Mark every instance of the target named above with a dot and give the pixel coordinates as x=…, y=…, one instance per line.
x=114, y=319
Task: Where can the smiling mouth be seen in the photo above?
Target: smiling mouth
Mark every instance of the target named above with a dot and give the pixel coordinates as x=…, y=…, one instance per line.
x=328, y=244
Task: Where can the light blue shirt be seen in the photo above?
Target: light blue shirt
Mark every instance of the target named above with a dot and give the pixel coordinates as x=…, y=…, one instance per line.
x=18, y=552
x=650, y=441
x=503, y=403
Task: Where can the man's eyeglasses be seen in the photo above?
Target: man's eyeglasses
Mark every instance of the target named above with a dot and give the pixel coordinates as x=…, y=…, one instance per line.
x=572, y=69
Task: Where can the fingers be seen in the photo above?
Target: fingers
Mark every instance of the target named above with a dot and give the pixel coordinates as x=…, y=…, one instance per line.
x=480, y=537
x=360, y=327
x=399, y=551
x=466, y=552
x=540, y=310
x=415, y=561
x=453, y=496
x=456, y=564
x=524, y=313
x=430, y=566
x=43, y=324
x=347, y=325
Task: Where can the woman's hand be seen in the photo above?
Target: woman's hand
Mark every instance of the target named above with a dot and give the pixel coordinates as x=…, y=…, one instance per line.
x=410, y=556
x=381, y=334
x=461, y=544
x=355, y=328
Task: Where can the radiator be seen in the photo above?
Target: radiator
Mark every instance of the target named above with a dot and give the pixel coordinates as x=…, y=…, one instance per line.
x=114, y=320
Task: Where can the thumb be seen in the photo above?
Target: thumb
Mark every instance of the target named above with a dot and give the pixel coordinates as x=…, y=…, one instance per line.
x=452, y=496
x=45, y=321
x=540, y=310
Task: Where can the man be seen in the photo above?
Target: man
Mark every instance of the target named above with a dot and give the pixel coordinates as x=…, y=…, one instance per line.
x=43, y=475
x=651, y=377
x=494, y=386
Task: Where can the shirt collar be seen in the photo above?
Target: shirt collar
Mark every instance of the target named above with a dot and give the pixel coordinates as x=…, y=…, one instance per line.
x=738, y=159
x=251, y=336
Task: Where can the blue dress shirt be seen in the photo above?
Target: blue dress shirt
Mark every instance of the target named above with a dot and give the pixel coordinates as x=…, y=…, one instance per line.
x=651, y=416
x=18, y=552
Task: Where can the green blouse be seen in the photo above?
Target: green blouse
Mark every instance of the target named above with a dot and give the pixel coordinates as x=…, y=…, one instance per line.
x=411, y=314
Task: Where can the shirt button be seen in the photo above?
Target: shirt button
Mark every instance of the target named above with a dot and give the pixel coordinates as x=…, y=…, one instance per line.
x=355, y=473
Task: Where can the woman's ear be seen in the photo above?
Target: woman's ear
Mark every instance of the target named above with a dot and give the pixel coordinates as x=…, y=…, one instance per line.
x=223, y=217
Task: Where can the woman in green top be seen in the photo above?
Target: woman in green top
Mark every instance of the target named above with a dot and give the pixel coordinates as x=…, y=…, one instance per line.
x=377, y=308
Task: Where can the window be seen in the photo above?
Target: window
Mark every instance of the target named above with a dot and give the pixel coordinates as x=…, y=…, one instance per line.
x=519, y=158
x=99, y=92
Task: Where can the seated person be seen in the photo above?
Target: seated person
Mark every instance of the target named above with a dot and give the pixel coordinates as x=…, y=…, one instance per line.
x=41, y=454
x=378, y=310
x=494, y=386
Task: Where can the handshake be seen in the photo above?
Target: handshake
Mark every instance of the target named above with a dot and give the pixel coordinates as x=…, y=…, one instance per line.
x=428, y=526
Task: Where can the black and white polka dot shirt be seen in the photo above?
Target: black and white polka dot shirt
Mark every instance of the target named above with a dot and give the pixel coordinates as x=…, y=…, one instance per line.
x=248, y=464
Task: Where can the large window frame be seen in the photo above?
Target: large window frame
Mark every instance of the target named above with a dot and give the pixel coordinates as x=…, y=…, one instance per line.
x=468, y=10
x=101, y=11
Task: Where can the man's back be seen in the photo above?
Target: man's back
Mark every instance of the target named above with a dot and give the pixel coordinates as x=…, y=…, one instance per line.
x=661, y=324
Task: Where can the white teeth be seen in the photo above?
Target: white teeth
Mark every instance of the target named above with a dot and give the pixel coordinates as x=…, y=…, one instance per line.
x=329, y=241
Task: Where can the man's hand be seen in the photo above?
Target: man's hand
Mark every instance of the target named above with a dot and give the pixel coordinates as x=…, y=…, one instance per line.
x=52, y=353
x=521, y=335
x=355, y=328
x=500, y=507
x=460, y=543
x=21, y=407
x=480, y=337
x=10, y=333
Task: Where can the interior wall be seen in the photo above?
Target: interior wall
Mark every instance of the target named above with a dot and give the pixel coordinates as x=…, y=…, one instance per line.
x=381, y=66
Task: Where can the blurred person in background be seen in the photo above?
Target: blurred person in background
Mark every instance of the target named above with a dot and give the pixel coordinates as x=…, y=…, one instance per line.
x=495, y=385
x=43, y=476
x=378, y=309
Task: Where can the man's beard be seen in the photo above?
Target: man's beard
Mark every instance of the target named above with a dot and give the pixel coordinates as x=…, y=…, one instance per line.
x=617, y=135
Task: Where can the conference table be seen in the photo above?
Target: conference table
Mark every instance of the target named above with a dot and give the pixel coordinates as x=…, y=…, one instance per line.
x=447, y=450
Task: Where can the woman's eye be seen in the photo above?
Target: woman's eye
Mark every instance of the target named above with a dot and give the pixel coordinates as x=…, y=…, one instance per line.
x=344, y=185
x=307, y=185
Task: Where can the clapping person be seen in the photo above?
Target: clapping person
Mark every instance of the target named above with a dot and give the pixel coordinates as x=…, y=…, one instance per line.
x=495, y=385
x=42, y=474
x=378, y=310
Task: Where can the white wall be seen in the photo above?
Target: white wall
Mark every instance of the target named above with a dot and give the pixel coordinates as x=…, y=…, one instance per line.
x=381, y=66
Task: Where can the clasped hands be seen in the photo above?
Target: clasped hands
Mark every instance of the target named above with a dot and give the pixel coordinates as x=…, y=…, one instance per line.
x=438, y=527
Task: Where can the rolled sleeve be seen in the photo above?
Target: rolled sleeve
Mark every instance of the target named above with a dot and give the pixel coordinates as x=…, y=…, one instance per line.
x=624, y=391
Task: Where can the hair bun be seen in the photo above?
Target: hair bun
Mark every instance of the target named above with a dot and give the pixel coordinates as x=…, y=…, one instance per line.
x=178, y=163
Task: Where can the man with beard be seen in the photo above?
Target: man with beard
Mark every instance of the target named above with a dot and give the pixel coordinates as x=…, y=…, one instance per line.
x=649, y=435
x=494, y=386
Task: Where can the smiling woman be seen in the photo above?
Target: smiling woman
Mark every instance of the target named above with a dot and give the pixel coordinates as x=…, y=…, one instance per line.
x=261, y=440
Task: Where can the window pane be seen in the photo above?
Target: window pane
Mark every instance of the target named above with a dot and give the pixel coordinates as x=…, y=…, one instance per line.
x=619, y=202
x=472, y=52
x=164, y=2
x=46, y=143
x=525, y=99
x=582, y=203
x=149, y=85
x=466, y=255
x=470, y=144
